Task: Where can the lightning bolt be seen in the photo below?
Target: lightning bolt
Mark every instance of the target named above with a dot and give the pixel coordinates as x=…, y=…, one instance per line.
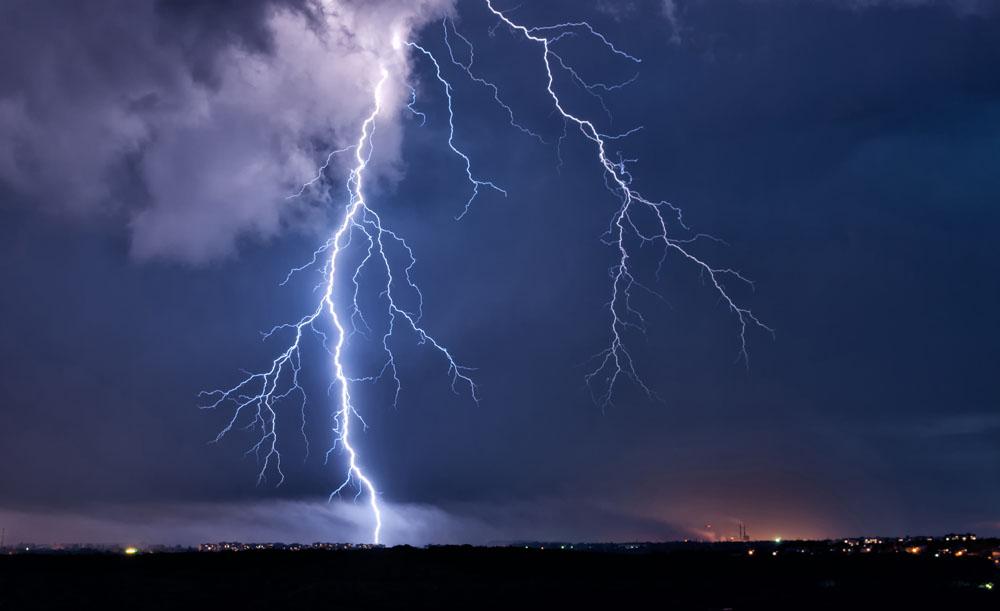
x=258, y=395
x=626, y=229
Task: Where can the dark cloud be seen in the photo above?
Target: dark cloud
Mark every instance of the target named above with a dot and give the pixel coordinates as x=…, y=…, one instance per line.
x=675, y=11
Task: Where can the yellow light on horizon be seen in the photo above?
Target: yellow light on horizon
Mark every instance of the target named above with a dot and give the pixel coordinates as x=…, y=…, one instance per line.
x=131, y=551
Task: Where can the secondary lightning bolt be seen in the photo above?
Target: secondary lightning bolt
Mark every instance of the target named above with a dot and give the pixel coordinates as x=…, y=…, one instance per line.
x=616, y=361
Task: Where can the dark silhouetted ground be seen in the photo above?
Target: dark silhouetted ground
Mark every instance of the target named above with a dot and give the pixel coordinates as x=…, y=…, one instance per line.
x=495, y=578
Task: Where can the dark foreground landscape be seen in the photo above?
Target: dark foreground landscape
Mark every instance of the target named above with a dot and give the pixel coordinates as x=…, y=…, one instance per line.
x=691, y=577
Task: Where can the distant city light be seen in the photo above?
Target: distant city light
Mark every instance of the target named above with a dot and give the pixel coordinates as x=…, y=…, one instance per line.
x=131, y=551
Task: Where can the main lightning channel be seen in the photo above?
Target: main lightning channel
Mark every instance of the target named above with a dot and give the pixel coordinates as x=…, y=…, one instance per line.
x=261, y=392
x=345, y=410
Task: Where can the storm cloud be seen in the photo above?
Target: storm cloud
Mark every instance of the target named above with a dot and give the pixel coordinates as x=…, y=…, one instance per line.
x=191, y=122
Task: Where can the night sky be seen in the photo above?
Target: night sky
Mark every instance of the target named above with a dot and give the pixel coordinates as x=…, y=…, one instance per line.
x=848, y=152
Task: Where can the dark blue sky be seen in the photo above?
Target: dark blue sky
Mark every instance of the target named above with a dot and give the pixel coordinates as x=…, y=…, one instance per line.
x=847, y=155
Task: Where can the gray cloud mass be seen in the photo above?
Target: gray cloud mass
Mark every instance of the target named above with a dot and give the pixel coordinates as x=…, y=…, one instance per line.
x=192, y=121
